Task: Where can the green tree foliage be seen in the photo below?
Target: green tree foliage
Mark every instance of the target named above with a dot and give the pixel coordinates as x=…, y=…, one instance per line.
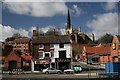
x=14, y=36
x=107, y=38
x=9, y=39
x=53, y=31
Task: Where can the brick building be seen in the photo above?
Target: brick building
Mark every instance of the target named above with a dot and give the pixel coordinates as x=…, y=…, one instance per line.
x=51, y=51
x=21, y=44
x=115, y=49
x=96, y=54
x=15, y=60
x=5, y=48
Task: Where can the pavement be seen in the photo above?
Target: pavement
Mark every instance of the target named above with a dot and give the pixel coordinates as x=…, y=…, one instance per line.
x=84, y=75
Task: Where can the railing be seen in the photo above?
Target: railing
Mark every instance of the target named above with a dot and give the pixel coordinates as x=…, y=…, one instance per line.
x=108, y=75
x=16, y=71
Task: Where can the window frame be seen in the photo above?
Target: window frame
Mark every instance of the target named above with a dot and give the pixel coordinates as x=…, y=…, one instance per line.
x=51, y=46
x=51, y=54
x=40, y=55
x=61, y=45
x=42, y=46
x=47, y=53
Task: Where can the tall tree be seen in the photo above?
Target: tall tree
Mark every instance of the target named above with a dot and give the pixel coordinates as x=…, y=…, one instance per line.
x=107, y=38
x=15, y=35
x=53, y=31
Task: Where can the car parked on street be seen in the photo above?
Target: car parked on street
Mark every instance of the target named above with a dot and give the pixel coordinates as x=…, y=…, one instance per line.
x=77, y=69
x=51, y=70
x=68, y=71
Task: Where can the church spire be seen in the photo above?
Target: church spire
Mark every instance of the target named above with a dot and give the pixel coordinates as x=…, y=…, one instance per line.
x=68, y=29
x=68, y=21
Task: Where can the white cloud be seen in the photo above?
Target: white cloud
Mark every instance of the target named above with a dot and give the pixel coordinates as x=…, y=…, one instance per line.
x=37, y=9
x=45, y=29
x=8, y=31
x=110, y=6
x=104, y=23
x=34, y=0
x=75, y=9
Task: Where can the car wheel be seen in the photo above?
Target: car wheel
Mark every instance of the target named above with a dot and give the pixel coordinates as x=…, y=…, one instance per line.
x=59, y=72
x=68, y=72
x=47, y=72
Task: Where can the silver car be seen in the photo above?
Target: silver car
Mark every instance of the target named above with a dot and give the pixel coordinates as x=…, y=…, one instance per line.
x=68, y=71
x=51, y=70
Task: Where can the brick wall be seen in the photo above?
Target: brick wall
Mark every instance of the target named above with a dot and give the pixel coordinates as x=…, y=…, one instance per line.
x=10, y=57
x=115, y=51
x=35, y=51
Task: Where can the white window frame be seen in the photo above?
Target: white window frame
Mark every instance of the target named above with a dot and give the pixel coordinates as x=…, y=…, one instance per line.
x=42, y=46
x=62, y=45
x=47, y=53
x=52, y=47
x=42, y=56
x=51, y=54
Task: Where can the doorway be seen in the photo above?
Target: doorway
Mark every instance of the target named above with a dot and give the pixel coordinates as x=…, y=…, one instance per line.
x=12, y=65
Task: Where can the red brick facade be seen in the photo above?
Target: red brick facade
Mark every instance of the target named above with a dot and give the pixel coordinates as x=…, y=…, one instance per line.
x=21, y=44
x=114, y=49
x=12, y=57
x=35, y=51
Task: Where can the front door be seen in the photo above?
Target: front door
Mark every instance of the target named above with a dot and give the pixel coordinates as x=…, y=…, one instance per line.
x=12, y=65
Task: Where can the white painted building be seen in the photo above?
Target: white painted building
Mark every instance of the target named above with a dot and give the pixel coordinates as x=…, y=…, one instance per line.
x=51, y=51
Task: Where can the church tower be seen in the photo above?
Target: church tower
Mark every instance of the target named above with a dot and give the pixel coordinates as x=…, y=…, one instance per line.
x=68, y=29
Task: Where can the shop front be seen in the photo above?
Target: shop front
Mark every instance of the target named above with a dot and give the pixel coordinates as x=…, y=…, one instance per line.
x=39, y=65
x=63, y=64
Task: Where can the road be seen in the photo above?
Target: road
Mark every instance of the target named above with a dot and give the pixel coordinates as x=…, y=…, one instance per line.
x=37, y=76
x=88, y=66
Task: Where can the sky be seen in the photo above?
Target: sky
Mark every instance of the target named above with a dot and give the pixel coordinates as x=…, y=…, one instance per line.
x=93, y=17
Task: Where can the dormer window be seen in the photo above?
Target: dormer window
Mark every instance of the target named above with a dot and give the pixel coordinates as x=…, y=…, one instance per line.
x=41, y=46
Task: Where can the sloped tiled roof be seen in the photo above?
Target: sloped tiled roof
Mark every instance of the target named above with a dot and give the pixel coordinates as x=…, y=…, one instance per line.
x=21, y=55
x=98, y=50
x=26, y=57
x=52, y=39
x=22, y=40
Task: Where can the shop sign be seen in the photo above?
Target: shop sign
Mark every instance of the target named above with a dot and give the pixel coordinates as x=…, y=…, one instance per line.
x=41, y=62
x=114, y=46
x=119, y=53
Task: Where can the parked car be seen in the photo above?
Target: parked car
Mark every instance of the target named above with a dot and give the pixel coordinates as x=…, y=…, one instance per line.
x=68, y=71
x=77, y=69
x=51, y=70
